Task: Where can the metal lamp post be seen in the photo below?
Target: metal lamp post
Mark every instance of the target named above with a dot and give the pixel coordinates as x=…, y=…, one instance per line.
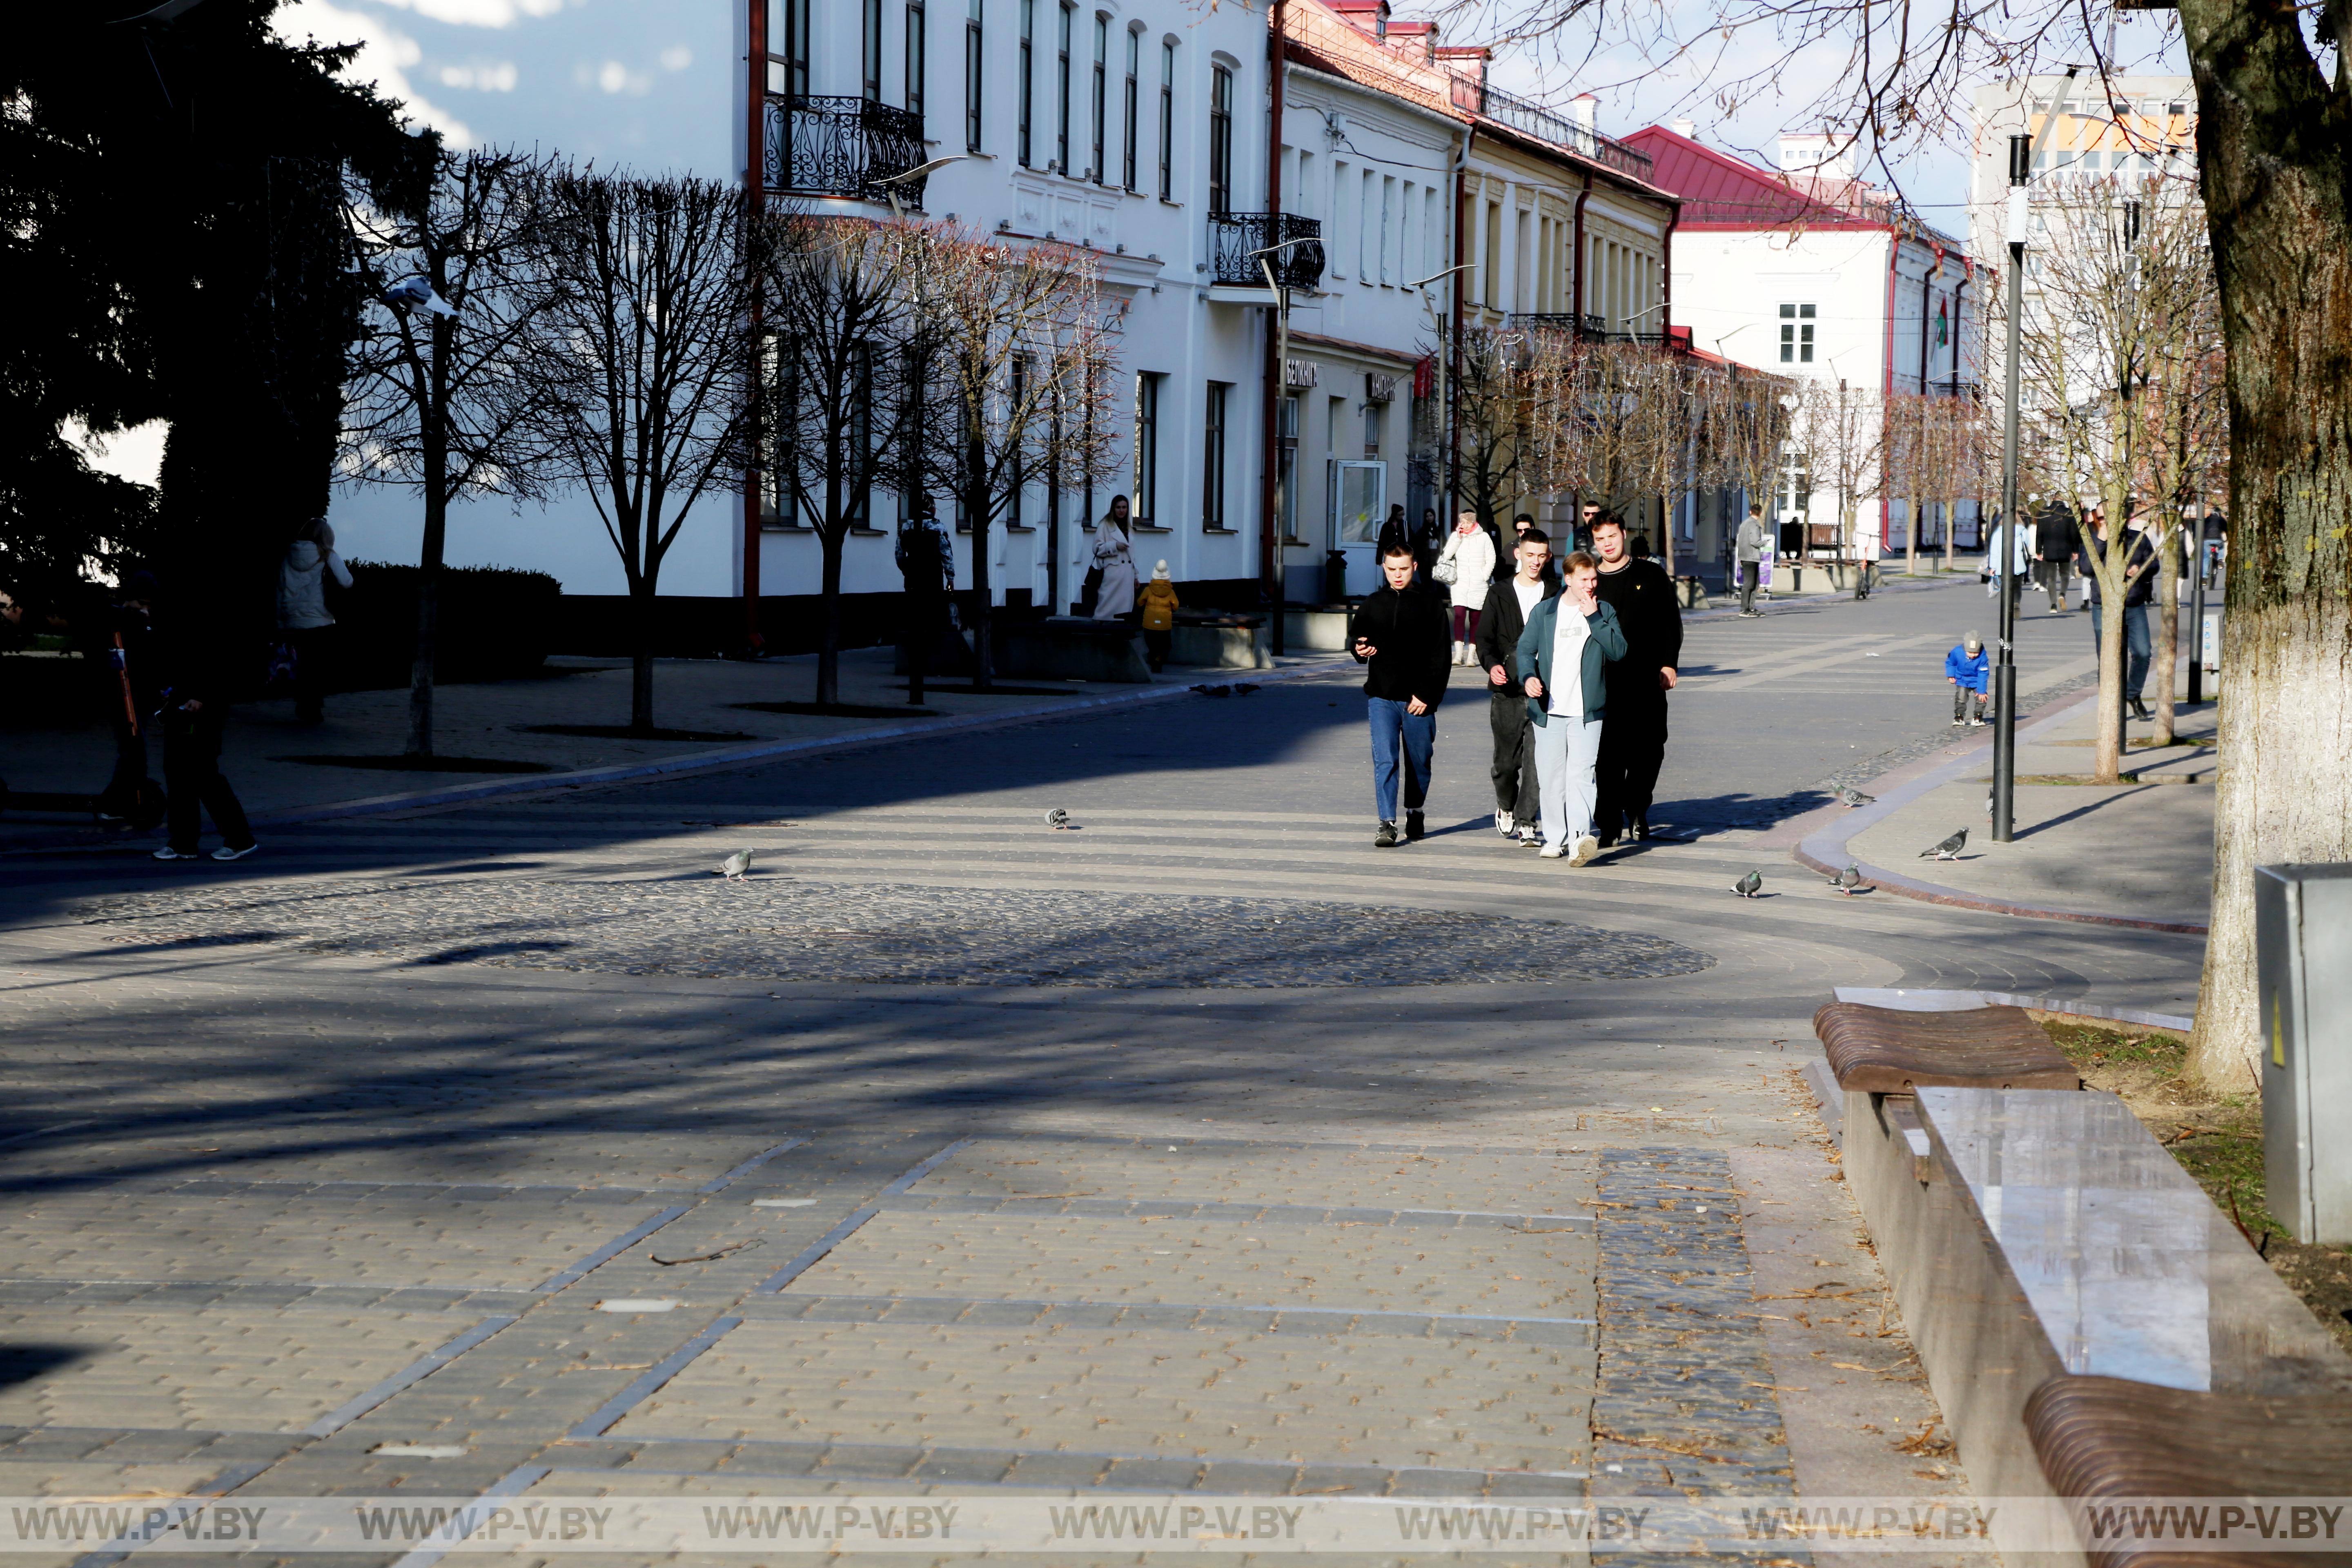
x=2004, y=671
x=1265, y=257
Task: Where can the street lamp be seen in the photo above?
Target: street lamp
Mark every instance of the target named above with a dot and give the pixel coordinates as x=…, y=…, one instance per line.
x=2004, y=671
x=890, y=183
x=1265, y=257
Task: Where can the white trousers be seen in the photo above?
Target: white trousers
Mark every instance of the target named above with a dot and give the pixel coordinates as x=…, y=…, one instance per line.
x=1566, y=752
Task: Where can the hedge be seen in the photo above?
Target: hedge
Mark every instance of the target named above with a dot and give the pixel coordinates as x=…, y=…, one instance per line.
x=494, y=624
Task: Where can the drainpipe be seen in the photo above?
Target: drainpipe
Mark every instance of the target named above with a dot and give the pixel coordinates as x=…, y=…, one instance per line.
x=755, y=175
x=1454, y=339
x=1886, y=367
x=1269, y=552
x=1928, y=298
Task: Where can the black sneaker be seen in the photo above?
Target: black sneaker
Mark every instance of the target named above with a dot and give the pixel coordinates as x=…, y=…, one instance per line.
x=1386, y=838
x=1414, y=829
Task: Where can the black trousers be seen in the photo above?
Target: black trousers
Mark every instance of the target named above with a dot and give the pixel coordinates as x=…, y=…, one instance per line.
x=1748, y=571
x=313, y=648
x=1632, y=749
x=192, y=745
x=1514, y=758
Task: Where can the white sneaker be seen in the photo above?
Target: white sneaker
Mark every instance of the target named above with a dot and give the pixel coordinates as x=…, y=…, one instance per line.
x=226, y=853
x=1504, y=824
x=168, y=853
x=1551, y=852
x=1586, y=848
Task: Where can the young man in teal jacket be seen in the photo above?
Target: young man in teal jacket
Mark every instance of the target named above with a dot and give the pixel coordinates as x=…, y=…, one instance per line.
x=1568, y=642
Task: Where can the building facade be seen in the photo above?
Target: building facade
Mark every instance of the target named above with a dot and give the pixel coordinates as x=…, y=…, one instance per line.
x=1820, y=277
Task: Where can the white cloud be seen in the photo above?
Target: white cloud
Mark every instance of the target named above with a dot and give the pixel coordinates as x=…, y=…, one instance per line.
x=489, y=76
x=480, y=12
x=677, y=57
x=385, y=54
x=614, y=76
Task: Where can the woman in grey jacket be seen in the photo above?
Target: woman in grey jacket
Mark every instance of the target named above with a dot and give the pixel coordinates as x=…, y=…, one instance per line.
x=1560, y=656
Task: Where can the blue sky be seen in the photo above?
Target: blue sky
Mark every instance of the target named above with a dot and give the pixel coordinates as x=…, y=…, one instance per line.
x=631, y=82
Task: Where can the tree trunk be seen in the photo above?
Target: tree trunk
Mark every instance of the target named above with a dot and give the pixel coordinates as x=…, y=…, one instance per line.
x=1949, y=504
x=434, y=443
x=828, y=650
x=2106, y=757
x=641, y=656
x=1666, y=530
x=2273, y=158
x=982, y=525
x=2166, y=640
x=1911, y=536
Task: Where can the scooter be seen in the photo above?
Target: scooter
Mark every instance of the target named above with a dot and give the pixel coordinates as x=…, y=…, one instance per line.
x=144, y=810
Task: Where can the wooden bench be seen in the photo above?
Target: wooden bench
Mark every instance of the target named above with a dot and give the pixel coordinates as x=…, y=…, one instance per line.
x=2102, y=1437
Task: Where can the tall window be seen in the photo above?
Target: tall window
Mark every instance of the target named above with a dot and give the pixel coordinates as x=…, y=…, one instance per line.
x=971, y=54
x=1143, y=505
x=1375, y=418
x=788, y=48
x=1167, y=122
x=1028, y=75
x=1796, y=486
x=1134, y=61
x=1796, y=335
x=871, y=9
x=1213, y=457
x=1017, y=395
x=1062, y=92
x=1221, y=139
x=915, y=42
x=1097, y=171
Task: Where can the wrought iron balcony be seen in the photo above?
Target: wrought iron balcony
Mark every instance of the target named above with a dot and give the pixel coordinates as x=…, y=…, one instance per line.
x=1546, y=125
x=1232, y=236
x=831, y=146
x=1591, y=328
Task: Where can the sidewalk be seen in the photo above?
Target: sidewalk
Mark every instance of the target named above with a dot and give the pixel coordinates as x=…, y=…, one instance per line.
x=2137, y=853
x=503, y=724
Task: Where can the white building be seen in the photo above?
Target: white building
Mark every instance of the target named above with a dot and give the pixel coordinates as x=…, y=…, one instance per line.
x=1815, y=274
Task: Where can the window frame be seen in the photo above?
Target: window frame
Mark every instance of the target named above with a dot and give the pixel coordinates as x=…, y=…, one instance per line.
x=794, y=59
x=1028, y=83
x=1216, y=405
x=1062, y=90
x=1134, y=99
x=1142, y=504
x=870, y=45
x=974, y=46
x=1221, y=141
x=1168, y=120
x=1798, y=321
x=918, y=58
x=1100, y=172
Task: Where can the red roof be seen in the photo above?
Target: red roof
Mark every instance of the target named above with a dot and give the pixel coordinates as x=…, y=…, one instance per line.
x=1721, y=191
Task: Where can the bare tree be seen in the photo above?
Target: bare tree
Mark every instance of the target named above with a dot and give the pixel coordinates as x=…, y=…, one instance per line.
x=1018, y=387
x=847, y=340
x=2274, y=100
x=1505, y=446
x=1842, y=432
x=437, y=401
x=637, y=378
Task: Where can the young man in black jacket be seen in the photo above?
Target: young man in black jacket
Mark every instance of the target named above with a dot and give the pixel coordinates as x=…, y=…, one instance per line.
x=1634, y=742
x=1402, y=637
x=1508, y=604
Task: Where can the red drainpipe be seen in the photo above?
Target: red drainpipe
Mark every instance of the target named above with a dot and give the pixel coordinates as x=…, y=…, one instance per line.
x=1886, y=365
x=755, y=175
x=1269, y=552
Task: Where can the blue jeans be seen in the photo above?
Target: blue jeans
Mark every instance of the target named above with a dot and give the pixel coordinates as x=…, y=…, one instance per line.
x=2136, y=650
x=1397, y=734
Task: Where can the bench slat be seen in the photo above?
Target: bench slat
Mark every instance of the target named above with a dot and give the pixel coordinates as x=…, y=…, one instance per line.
x=1887, y=1050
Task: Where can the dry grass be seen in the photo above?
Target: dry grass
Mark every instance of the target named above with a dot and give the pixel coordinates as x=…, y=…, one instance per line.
x=2219, y=1143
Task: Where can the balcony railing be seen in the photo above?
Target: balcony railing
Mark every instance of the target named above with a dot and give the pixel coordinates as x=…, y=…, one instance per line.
x=1232, y=236
x=1545, y=125
x=841, y=146
x=1967, y=389
x=1595, y=329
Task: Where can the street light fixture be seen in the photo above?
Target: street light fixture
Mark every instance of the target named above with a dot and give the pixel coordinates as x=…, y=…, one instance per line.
x=890, y=183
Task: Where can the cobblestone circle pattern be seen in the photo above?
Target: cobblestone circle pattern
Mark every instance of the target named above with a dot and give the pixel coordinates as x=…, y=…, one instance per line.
x=788, y=931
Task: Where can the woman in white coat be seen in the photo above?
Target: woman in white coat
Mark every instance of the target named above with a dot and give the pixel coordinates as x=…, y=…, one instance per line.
x=302, y=617
x=1464, y=566
x=1114, y=559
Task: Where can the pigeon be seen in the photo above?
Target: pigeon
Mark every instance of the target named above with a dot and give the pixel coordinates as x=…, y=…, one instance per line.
x=1747, y=886
x=416, y=293
x=1243, y=687
x=1949, y=850
x=1854, y=797
x=1057, y=818
x=1214, y=690
x=736, y=865
x=1847, y=880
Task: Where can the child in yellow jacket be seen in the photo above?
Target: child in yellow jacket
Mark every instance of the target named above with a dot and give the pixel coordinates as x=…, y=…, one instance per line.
x=1158, y=616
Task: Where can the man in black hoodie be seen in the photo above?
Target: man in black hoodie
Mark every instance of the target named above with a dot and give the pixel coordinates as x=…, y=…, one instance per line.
x=1403, y=638
x=1634, y=742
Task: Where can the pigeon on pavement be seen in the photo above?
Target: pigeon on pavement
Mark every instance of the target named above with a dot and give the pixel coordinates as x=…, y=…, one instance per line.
x=1746, y=886
x=1853, y=796
x=1949, y=850
x=415, y=292
x=734, y=867
x=1847, y=880
x=1057, y=817
x=1214, y=690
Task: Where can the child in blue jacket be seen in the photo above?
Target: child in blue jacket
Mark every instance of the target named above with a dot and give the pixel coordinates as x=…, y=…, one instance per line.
x=1970, y=673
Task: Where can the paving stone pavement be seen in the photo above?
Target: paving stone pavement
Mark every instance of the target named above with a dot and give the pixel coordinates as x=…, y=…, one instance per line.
x=1506, y=1205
